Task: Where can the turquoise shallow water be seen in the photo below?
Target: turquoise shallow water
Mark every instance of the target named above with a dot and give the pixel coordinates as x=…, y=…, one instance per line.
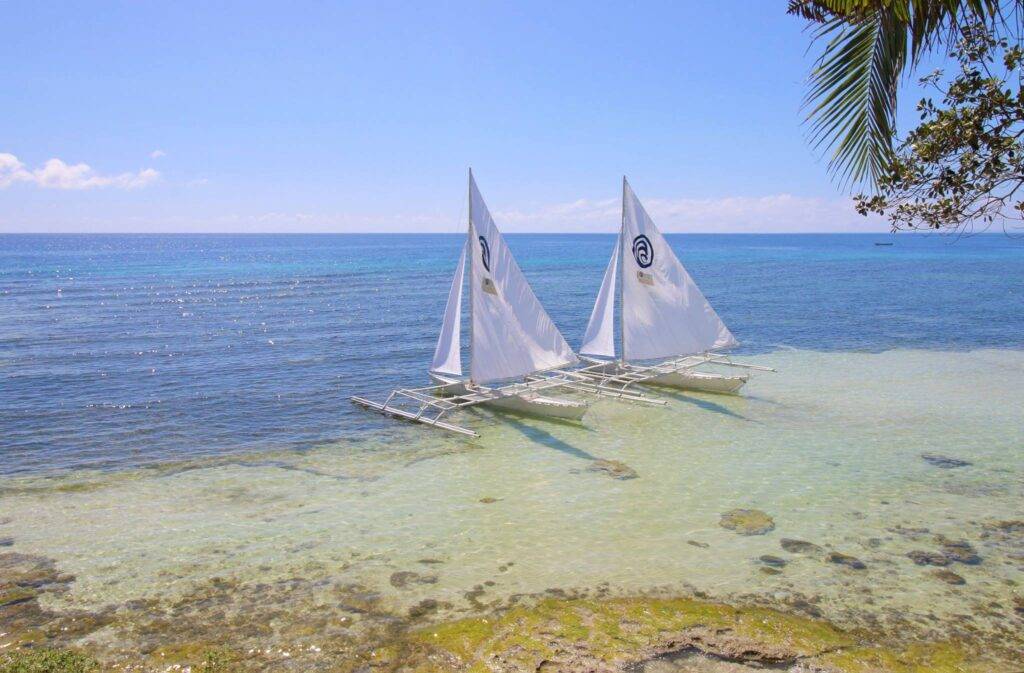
x=325, y=505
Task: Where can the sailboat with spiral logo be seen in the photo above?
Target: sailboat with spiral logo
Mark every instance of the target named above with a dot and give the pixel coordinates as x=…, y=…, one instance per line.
x=516, y=352
x=667, y=327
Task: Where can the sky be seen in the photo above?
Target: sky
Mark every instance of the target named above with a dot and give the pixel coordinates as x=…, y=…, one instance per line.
x=364, y=116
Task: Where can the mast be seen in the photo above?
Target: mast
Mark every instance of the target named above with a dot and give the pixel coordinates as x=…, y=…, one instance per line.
x=472, y=281
x=622, y=267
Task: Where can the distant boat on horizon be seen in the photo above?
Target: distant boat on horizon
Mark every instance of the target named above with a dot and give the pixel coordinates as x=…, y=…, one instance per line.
x=882, y=243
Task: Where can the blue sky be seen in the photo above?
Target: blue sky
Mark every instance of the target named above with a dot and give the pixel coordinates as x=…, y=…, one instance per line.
x=364, y=116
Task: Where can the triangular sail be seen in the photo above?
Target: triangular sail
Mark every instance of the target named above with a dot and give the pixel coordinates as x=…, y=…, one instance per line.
x=512, y=333
x=448, y=353
x=600, y=336
x=664, y=313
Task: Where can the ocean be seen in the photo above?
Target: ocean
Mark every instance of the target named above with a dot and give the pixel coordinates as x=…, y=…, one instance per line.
x=176, y=437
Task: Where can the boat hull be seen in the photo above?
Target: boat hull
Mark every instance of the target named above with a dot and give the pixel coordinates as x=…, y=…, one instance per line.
x=703, y=381
x=687, y=379
x=532, y=404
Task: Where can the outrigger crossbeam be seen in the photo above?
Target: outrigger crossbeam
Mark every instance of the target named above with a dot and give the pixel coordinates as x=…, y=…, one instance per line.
x=430, y=405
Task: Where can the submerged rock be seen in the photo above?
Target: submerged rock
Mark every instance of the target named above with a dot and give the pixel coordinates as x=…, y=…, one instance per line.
x=944, y=462
x=959, y=551
x=747, y=521
x=6, y=541
x=488, y=500
x=613, y=468
x=404, y=578
x=768, y=570
x=846, y=560
x=928, y=558
x=949, y=577
x=800, y=546
x=697, y=543
x=773, y=561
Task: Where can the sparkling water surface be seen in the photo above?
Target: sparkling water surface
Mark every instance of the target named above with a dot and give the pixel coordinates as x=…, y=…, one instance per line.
x=174, y=412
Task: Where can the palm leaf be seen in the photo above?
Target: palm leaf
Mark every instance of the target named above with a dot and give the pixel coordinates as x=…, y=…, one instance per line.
x=851, y=101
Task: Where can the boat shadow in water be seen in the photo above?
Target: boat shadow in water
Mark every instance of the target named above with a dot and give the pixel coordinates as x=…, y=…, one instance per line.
x=706, y=405
x=541, y=436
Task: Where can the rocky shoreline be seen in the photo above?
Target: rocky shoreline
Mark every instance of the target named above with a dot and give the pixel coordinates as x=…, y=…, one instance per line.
x=233, y=626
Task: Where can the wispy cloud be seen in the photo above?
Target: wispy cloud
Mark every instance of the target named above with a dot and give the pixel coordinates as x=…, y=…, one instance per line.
x=56, y=174
x=734, y=214
x=156, y=154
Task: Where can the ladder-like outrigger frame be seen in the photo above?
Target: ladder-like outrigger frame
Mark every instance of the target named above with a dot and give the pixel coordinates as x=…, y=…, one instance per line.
x=430, y=405
x=624, y=375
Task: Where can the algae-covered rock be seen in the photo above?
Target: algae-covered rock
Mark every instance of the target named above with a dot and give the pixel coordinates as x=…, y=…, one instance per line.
x=928, y=558
x=613, y=468
x=960, y=551
x=603, y=635
x=404, y=578
x=773, y=561
x=799, y=546
x=920, y=658
x=747, y=521
x=948, y=576
x=46, y=661
x=846, y=560
x=944, y=462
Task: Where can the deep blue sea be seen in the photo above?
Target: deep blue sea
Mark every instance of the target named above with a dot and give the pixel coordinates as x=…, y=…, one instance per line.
x=122, y=350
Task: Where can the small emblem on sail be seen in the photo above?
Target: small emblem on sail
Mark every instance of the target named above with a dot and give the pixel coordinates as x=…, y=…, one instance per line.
x=489, y=287
x=643, y=251
x=645, y=278
x=485, y=253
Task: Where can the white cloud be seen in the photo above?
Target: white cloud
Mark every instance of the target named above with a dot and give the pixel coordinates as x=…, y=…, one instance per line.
x=55, y=174
x=733, y=214
x=156, y=154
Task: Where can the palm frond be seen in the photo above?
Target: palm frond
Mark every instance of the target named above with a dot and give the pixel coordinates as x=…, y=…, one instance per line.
x=853, y=84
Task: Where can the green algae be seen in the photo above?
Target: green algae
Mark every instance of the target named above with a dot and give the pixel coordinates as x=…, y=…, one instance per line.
x=920, y=658
x=622, y=630
x=46, y=661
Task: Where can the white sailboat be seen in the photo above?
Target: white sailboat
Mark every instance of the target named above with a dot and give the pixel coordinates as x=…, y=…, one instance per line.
x=514, y=345
x=664, y=317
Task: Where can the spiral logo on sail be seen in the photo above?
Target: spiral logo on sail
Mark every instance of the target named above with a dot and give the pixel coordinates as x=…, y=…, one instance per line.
x=643, y=251
x=485, y=253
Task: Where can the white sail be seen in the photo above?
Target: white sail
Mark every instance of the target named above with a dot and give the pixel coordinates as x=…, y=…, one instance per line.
x=447, y=354
x=664, y=313
x=512, y=333
x=600, y=336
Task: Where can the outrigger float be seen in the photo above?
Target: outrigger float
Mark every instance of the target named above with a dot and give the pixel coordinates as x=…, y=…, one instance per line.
x=517, y=356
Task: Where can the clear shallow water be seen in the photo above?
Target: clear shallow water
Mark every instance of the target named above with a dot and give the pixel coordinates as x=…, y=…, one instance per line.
x=156, y=448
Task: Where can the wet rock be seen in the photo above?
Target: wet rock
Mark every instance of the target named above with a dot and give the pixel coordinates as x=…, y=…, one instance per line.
x=747, y=521
x=948, y=576
x=1012, y=526
x=800, y=546
x=768, y=570
x=928, y=558
x=773, y=561
x=613, y=468
x=424, y=607
x=959, y=551
x=488, y=500
x=944, y=462
x=695, y=543
x=430, y=561
x=846, y=560
x=403, y=578
x=6, y=541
